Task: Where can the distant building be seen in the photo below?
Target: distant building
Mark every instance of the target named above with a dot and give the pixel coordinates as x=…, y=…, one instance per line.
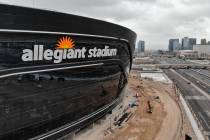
x=141, y=46
x=203, y=41
x=208, y=43
x=202, y=50
x=174, y=45
x=170, y=45
x=187, y=43
x=192, y=42
x=187, y=54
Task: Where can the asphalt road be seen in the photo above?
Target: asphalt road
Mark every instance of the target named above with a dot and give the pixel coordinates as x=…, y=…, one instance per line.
x=206, y=72
x=197, y=100
x=198, y=77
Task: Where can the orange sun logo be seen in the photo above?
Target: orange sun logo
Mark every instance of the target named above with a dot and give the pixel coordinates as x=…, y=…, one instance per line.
x=65, y=43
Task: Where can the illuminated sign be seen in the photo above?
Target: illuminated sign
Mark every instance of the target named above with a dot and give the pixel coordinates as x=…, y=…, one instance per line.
x=65, y=50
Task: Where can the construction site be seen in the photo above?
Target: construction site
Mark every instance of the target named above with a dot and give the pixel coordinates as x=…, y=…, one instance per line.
x=150, y=111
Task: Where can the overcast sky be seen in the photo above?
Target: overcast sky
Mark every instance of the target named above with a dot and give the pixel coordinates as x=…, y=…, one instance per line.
x=155, y=21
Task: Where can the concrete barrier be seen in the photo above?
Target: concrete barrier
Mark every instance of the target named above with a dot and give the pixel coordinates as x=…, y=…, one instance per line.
x=190, y=116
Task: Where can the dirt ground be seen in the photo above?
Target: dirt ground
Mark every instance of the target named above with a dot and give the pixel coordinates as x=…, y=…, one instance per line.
x=162, y=124
x=166, y=122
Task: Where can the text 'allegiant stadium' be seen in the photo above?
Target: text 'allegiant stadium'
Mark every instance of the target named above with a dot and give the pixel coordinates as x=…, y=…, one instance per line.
x=57, y=55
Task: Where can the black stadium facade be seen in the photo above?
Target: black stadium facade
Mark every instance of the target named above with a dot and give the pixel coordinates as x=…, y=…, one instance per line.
x=57, y=68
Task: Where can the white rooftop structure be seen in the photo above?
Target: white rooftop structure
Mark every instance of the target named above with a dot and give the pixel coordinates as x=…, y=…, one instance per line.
x=202, y=50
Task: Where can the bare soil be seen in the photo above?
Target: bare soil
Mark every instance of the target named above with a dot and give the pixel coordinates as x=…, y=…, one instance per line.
x=166, y=122
x=162, y=124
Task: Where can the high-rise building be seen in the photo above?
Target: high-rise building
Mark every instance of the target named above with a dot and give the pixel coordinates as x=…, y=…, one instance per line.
x=187, y=43
x=170, y=45
x=141, y=46
x=203, y=41
x=173, y=45
x=192, y=42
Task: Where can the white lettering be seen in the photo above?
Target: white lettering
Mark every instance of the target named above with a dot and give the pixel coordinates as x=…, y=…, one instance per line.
x=58, y=54
x=70, y=54
x=38, y=53
x=48, y=54
x=90, y=53
x=27, y=55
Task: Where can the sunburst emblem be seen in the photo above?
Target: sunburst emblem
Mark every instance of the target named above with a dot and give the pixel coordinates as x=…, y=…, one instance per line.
x=65, y=43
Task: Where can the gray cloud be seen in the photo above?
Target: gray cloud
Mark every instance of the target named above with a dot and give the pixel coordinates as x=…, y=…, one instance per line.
x=155, y=21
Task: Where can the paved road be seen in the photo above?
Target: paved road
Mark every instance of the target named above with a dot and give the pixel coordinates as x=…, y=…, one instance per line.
x=205, y=72
x=196, y=99
x=197, y=77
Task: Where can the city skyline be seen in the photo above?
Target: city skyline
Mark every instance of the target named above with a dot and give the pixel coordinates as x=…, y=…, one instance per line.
x=155, y=21
x=190, y=45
